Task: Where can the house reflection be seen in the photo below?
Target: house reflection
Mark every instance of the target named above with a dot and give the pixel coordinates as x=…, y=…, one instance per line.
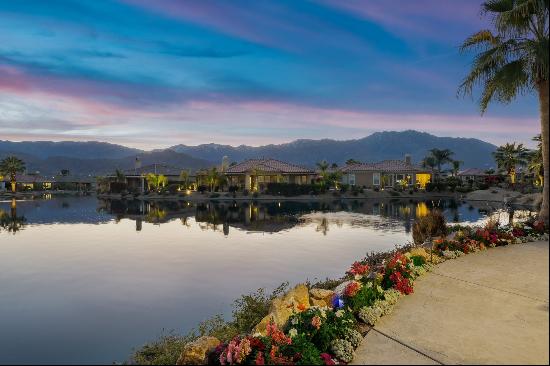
x=273, y=217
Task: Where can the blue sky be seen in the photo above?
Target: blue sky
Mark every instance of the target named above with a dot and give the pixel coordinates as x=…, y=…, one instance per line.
x=152, y=74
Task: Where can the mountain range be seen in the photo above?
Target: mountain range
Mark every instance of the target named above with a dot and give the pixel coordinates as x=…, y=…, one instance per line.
x=96, y=158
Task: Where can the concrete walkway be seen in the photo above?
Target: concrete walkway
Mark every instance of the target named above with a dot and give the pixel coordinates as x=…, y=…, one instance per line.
x=489, y=307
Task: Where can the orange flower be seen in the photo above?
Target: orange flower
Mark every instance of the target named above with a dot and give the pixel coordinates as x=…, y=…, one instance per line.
x=301, y=307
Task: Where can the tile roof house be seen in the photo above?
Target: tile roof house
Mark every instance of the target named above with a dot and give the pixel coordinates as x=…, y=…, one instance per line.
x=385, y=173
x=255, y=174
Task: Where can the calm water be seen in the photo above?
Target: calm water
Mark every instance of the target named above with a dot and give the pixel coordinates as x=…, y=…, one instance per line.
x=85, y=281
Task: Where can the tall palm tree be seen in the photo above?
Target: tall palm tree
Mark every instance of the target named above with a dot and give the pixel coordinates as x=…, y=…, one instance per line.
x=213, y=178
x=10, y=166
x=509, y=156
x=456, y=167
x=513, y=60
x=323, y=172
x=441, y=158
x=184, y=178
x=429, y=162
x=536, y=161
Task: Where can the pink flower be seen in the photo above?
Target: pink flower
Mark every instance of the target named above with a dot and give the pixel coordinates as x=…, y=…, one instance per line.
x=316, y=322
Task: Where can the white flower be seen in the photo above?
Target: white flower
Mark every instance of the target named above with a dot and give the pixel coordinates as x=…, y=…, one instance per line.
x=379, y=288
x=369, y=284
x=339, y=313
x=294, y=321
x=358, y=277
x=292, y=333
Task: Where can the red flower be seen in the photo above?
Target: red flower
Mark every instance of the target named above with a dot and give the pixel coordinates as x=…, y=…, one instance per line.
x=351, y=289
x=327, y=359
x=259, y=359
x=358, y=268
x=257, y=343
x=401, y=283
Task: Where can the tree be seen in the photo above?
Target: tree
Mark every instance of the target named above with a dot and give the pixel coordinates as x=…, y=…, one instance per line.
x=513, y=60
x=456, y=167
x=508, y=157
x=429, y=162
x=441, y=157
x=10, y=166
x=352, y=161
x=536, y=162
x=184, y=178
x=323, y=172
x=213, y=178
x=156, y=181
x=120, y=177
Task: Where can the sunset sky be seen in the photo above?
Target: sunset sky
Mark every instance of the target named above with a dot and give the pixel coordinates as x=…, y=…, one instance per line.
x=152, y=74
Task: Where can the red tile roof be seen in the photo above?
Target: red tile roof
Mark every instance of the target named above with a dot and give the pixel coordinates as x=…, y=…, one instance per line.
x=268, y=166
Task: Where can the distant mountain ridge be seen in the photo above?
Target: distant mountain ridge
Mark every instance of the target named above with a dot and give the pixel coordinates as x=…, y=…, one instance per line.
x=98, y=158
x=378, y=146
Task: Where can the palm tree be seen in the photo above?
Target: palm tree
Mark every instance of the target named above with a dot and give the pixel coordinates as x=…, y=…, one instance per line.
x=323, y=172
x=352, y=161
x=512, y=61
x=12, y=165
x=456, y=167
x=441, y=157
x=536, y=162
x=429, y=162
x=120, y=177
x=509, y=156
x=213, y=178
x=156, y=181
x=184, y=178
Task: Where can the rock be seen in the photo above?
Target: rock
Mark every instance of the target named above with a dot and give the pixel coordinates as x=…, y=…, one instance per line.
x=195, y=353
x=282, y=308
x=320, y=303
x=321, y=294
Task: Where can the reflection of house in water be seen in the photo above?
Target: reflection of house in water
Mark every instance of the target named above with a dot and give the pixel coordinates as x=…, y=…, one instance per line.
x=272, y=217
x=252, y=217
x=154, y=212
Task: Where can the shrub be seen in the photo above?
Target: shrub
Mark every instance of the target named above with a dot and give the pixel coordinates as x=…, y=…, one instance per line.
x=429, y=226
x=291, y=189
x=202, y=188
x=245, y=192
x=255, y=194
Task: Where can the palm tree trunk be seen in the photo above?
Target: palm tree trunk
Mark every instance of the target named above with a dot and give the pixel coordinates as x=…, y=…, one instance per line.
x=543, y=105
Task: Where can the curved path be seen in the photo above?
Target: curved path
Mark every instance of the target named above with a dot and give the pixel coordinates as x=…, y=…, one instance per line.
x=490, y=307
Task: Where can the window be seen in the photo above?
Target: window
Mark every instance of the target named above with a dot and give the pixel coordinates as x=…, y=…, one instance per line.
x=351, y=179
x=376, y=179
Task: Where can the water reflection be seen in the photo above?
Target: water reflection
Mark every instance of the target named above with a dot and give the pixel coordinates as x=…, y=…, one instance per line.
x=11, y=222
x=273, y=217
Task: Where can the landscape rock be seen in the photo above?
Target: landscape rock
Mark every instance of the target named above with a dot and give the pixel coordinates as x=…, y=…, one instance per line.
x=321, y=297
x=195, y=353
x=283, y=307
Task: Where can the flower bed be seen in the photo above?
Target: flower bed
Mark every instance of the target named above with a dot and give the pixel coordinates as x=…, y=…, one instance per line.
x=327, y=332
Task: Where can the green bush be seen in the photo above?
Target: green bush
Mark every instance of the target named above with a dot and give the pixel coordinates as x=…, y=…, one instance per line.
x=291, y=189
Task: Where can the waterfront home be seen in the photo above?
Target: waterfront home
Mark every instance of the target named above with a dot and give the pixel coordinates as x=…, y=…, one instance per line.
x=473, y=175
x=387, y=173
x=255, y=174
x=29, y=182
x=65, y=181
x=135, y=179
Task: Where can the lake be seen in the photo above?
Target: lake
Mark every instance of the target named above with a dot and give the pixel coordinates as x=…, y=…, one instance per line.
x=84, y=280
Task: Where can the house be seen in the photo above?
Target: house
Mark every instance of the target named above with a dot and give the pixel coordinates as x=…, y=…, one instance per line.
x=387, y=173
x=29, y=182
x=472, y=175
x=135, y=180
x=67, y=182
x=255, y=174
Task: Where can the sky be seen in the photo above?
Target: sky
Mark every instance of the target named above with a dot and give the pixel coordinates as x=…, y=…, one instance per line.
x=152, y=74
